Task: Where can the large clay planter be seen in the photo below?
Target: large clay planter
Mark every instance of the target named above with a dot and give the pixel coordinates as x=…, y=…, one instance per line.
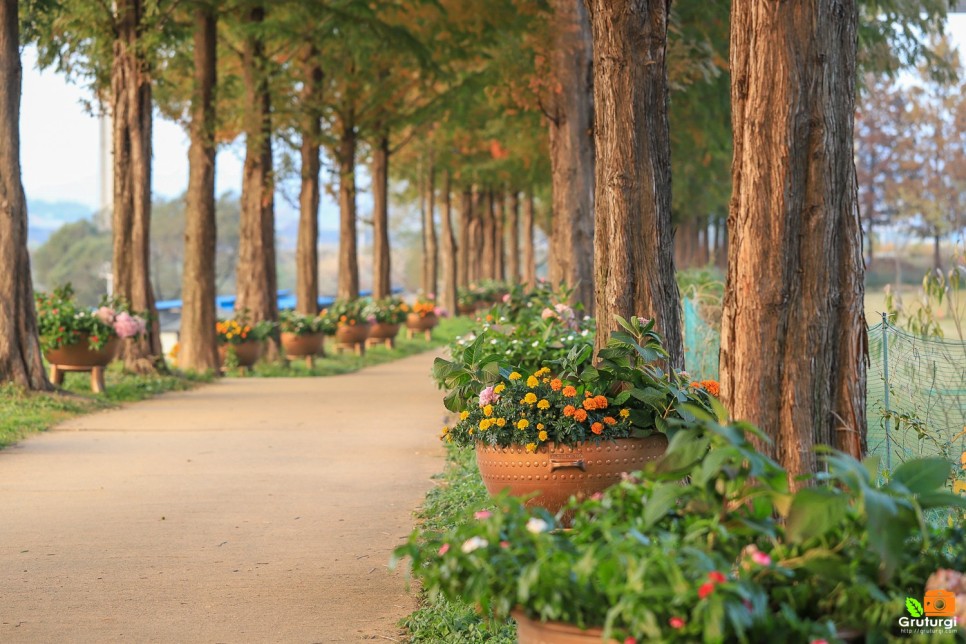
x=533, y=631
x=466, y=309
x=352, y=333
x=556, y=472
x=80, y=354
x=300, y=346
x=383, y=331
x=246, y=353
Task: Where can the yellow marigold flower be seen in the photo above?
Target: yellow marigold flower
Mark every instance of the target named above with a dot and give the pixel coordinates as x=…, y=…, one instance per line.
x=543, y=404
x=464, y=415
x=532, y=382
x=488, y=410
x=515, y=376
x=531, y=447
x=530, y=398
x=500, y=422
x=624, y=413
x=445, y=431
x=542, y=436
x=523, y=423
x=539, y=425
x=470, y=432
x=499, y=388
x=542, y=371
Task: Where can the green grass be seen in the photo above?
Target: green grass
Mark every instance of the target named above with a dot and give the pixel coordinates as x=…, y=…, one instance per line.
x=459, y=492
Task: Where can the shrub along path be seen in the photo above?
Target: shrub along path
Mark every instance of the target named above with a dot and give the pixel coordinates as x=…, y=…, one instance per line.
x=249, y=510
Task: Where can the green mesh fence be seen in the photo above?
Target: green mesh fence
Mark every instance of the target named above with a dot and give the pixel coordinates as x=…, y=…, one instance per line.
x=916, y=390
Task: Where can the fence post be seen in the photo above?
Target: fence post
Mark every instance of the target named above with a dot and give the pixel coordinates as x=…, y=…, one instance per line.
x=885, y=377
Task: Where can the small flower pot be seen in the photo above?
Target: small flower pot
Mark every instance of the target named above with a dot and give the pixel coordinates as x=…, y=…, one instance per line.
x=556, y=472
x=466, y=309
x=246, y=353
x=416, y=322
x=352, y=333
x=383, y=333
x=80, y=357
x=299, y=346
x=533, y=631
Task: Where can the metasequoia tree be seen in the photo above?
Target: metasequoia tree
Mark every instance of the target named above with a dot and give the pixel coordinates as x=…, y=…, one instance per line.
x=446, y=295
x=632, y=240
x=793, y=341
x=571, y=119
x=199, y=344
x=20, y=358
x=307, y=247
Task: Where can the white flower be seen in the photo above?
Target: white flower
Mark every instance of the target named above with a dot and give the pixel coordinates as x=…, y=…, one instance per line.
x=492, y=341
x=460, y=343
x=536, y=343
x=536, y=526
x=503, y=318
x=516, y=342
x=508, y=352
x=474, y=543
x=584, y=333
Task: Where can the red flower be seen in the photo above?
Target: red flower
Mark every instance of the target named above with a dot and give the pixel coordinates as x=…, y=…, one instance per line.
x=716, y=577
x=676, y=622
x=630, y=640
x=705, y=590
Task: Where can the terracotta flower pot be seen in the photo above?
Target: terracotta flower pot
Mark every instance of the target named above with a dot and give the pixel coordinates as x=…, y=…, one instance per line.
x=533, y=631
x=555, y=472
x=80, y=354
x=299, y=346
x=352, y=333
x=383, y=331
x=466, y=309
x=246, y=353
x=424, y=323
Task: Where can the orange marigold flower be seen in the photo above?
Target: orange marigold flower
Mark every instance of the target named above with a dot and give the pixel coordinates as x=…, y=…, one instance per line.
x=610, y=420
x=590, y=404
x=569, y=410
x=711, y=386
x=580, y=415
x=569, y=391
x=601, y=402
x=597, y=428
x=555, y=384
x=587, y=394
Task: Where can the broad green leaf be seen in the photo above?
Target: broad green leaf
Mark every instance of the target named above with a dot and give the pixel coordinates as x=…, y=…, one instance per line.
x=661, y=501
x=923, y=474
x=814, y=512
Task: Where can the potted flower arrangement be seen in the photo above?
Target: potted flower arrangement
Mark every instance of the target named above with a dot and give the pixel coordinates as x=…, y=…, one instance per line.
x=574, y=429
x=352, y=323
x=77, y=339
x=301, y=335
x=734, y=555
x=240, y=341
x=466, y=300
x=423, y=316
x=385, y=317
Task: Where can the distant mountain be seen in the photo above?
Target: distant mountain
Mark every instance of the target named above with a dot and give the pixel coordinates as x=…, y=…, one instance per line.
x=44, y=217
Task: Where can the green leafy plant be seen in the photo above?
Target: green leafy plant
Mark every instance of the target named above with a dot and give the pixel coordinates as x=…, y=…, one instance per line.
x=60, y=322
x=348, y=312
x=294, y=322
x=391, y=310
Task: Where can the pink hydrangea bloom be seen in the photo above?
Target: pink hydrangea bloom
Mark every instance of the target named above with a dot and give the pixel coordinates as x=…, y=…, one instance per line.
x=547, y=314
x=487, y=397
x=506, y=298
x=128, y=326
x=105, y=314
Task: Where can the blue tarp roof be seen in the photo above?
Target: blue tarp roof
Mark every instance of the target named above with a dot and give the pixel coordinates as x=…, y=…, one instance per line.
x=286, y=301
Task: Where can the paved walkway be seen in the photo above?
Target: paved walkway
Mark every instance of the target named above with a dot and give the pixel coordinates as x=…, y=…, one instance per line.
x=249, y=510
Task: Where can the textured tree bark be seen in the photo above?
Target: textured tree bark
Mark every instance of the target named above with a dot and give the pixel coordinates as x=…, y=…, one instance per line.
x=634, y=250
x=20, y=358
x=513, y=238
x=447, y=294
x=199, y=342
x=477, y=236
x=529, y=259
x=381, y=256
x=572, y=152
x=307, y=246
x=430, y=242
x=256, y=279
x=131, y=103
x=499, y=236
x=488, y=229
x=465, y=250
x=348, y=288
x=793, y=343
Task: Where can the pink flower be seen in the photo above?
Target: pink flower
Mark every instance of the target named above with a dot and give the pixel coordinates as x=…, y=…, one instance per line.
x=630, y=640
x=441, y=312
x=443, y=549
x=487, y=397
x=506, y=298
x=504, y=544
x=105, y=314
x=818, y=642
x=482, y=514
x=546, y=314
x=676, y=622
x=761, y=558
x=127, y=326
x=564, y=311
x=597, y=496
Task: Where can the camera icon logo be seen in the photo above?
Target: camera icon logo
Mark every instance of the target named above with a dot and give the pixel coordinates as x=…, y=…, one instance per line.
x=939, y=603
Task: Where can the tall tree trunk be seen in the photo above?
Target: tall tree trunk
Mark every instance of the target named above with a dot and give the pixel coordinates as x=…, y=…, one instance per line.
x=430, y=245
x=529, y=258
x=465, y=250
x=348, y=249
x=131, y=102
x=572, y=153
x=499, y=236
x=721, y=244
x=20, y=358
x=793, y=341
x=513, y=238
x=307, y=247
x=477, y=236
x=488, y=261
x=634, y=251
x=199, y=342
x=447, y=295
x=381, y=256
x=937, y=257
x=256, y=273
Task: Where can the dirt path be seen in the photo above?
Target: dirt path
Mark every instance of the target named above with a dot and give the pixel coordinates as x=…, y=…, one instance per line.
x=250, y=510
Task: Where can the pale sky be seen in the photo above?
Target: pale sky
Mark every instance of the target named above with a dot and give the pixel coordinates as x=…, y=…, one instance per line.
x=59, y=141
